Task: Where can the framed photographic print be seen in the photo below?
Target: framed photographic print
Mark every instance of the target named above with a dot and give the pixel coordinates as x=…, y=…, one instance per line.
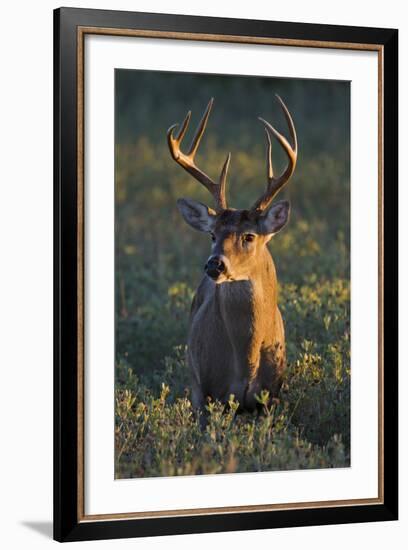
x=225, y=274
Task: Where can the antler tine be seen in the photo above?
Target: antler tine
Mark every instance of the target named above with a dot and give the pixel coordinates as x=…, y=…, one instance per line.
x=269, y=168
x=290, y=123
x=200, y=129
x=275, y=184
x=187, y=160
x=184, y=127
x=223, y=179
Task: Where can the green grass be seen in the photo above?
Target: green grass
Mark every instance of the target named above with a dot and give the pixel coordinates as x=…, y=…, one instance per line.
x=159, y=264
x=157, y=433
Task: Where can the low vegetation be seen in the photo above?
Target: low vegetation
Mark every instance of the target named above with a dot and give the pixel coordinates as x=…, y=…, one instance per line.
x=159, y=264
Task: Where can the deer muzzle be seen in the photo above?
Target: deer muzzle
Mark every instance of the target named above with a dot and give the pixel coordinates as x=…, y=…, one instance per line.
x=215, y=267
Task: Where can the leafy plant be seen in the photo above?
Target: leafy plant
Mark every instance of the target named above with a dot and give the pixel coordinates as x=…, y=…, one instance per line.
x=159, y=264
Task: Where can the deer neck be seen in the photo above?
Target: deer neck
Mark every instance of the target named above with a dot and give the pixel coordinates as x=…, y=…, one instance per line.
x=247, y=309
x=258, y=292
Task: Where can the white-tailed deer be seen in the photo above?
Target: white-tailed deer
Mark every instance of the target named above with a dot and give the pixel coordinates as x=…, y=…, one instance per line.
x=236, y=340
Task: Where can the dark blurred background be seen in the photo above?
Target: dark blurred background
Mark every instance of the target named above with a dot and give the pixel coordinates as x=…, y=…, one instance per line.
x=159, y=259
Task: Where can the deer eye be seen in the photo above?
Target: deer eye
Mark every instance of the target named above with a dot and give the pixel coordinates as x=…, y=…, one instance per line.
x=212, y=236
x=248, y=237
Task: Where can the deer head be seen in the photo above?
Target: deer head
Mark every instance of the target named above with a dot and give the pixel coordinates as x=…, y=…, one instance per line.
x=239, y=236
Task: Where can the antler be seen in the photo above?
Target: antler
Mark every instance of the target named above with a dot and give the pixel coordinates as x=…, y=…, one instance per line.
x=275, y=184
x=186, y=160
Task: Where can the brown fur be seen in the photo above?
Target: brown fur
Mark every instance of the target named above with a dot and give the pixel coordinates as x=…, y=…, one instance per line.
x=236, y=341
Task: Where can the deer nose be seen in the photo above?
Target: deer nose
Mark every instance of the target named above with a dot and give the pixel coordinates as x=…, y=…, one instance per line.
x=214, y=267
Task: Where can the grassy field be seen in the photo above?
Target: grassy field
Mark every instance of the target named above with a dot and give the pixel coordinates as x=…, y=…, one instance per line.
x=159, y=262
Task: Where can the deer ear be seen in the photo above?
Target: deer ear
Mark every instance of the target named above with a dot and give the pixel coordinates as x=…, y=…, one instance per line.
x=196, y=214
x=274, y=219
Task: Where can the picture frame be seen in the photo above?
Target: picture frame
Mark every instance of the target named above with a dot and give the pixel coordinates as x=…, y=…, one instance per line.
x=71, y=28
